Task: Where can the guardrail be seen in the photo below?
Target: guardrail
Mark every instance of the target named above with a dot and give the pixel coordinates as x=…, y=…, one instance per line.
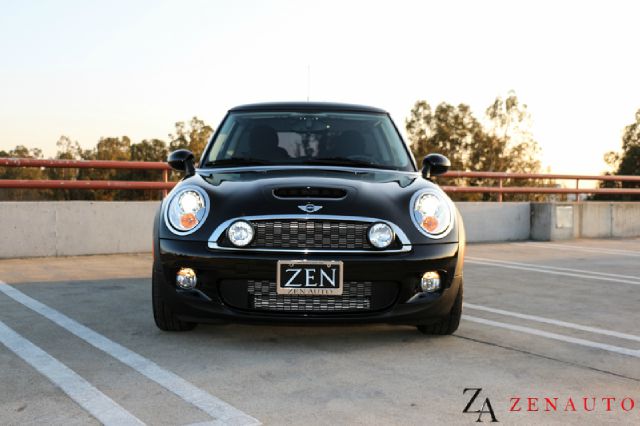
x=165, y=185
x=502, y=176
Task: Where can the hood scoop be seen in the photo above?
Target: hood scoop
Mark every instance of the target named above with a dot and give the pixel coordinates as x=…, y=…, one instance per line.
x=310, y=192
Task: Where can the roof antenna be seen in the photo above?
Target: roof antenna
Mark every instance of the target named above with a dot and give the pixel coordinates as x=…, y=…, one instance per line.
x=308, y=80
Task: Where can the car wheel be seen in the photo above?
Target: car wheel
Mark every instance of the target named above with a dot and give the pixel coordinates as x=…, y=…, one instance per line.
x=162, y=312
x=448, y=324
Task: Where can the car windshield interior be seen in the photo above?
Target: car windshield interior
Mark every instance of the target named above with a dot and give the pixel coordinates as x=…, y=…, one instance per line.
x=301, y=138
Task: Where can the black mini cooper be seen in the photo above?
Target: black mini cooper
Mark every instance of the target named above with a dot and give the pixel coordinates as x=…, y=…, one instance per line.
x=310, y=213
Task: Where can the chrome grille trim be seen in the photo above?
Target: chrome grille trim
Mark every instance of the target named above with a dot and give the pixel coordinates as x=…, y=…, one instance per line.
x=356, y=297
x=217, y=233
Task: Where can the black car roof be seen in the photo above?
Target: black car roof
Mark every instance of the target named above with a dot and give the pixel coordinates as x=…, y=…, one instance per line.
x=307, y=106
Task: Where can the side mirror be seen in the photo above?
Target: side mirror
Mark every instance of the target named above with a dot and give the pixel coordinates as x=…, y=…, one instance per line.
x=434, y=165
x=182, y=161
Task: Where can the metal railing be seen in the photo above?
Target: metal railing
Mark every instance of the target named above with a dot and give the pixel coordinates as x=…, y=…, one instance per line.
x=165, y=185
x=502, y=176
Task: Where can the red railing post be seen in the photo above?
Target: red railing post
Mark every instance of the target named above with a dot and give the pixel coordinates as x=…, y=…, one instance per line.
x=577, y=189
x=165, y=178
x=500, y=193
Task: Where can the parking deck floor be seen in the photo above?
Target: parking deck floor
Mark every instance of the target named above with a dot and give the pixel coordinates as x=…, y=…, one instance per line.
x=545, y=324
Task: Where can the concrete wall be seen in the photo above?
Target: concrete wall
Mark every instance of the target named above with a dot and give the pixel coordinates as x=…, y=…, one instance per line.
x=554, y=221
x=66, y=228
x=563, y=221
x=487, y=222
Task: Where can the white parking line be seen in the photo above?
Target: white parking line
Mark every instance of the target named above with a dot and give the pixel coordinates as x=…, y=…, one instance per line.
x=99, y=405
x=620, y=252
x=559, y=323
x=215, y=407
x=555, y=268
x=541, y=269
x=554, y=336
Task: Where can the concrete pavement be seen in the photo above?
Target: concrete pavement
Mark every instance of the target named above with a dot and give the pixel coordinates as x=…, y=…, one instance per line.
x=555, y=320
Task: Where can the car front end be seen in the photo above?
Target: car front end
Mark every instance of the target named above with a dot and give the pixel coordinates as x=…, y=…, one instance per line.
x=310, y=243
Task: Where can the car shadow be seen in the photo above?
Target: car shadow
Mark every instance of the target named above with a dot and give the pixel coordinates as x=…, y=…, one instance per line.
x=121, y=310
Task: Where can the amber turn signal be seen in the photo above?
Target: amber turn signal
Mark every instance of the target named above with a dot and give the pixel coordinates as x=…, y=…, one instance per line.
x=188, y=220
x=430, y=223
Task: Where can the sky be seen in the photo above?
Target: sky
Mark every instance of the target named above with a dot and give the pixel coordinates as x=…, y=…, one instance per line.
x=91, y=69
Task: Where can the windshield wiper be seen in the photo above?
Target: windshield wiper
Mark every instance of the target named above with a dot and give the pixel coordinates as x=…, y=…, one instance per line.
x=341, y=161
x=236, y=161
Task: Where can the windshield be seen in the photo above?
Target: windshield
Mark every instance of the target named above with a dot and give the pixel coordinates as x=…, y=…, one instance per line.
x=301, y=138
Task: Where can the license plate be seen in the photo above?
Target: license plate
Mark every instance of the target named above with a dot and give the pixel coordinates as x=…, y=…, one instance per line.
x=311, y=278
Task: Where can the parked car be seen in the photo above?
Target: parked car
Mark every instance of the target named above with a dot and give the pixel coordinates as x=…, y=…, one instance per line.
x=309, y=213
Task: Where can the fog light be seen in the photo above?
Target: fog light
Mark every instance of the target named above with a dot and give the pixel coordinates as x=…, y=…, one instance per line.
x=430, y=282
x=381, y=235
x=240, y=233
x=186, y=278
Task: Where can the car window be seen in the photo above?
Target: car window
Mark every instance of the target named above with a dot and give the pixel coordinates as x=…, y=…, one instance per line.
x=297, y=138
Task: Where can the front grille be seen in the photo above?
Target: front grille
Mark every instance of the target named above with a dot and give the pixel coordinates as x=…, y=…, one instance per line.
x=259, y=294
x=356, y=297
x=309, y=234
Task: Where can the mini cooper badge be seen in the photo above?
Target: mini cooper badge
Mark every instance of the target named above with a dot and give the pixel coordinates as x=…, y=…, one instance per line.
x=309, y=208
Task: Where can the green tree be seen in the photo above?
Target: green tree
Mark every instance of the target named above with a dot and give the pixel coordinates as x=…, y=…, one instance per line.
x=30, y=173
x=629, y=160
x=509, y=125
x=503, y=144
x=149, y=150
x=193, y=136
x=449, y=130
x=626, y=162
x=67, y=149
x=108, y=148
x=146, y=150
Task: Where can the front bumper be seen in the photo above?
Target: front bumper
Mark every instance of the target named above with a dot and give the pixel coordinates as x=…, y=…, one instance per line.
x=218, y=271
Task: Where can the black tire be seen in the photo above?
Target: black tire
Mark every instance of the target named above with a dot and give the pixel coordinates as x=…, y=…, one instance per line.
x=162, y=313
x=450, y=323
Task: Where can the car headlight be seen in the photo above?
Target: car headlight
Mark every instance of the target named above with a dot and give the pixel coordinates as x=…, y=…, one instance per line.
x=240, y=233
x=381, y=235
x=432, y=213
x=187, y=210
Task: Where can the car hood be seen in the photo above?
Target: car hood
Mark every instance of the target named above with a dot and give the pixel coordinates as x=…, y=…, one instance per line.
x=380, y=194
